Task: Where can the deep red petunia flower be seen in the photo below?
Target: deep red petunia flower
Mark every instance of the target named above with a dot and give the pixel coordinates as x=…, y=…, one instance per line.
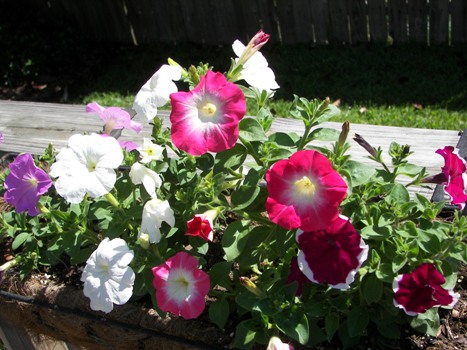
x=456, y=178
x=295, y=275
x=332, y=256
x=420, y=290
x=304, y=191
x=202, y=225
x=206, y=118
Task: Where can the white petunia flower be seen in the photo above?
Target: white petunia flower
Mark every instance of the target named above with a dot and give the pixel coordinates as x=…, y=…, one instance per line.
x=155, y=93
x=86, y=166
x=256, y=71
x=150, y=151
x=149, y=178
x=155, y=212
x=107, y=277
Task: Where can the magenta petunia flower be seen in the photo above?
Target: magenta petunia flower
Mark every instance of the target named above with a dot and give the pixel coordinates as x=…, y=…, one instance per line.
x=304, y=191
x=332, y=256
x=420, y=290
x=181, y=287
x=25, y=184
x=114, y=118
x=206, y=118
x=456, y=178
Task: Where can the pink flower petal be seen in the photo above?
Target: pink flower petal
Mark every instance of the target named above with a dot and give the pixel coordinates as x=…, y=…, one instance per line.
x=304, y=191
x=181, y=287
x=206, y=118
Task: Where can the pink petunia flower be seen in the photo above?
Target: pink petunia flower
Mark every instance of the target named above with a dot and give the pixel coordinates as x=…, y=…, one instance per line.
x=114, y=118
x=181, y=287
x=202, y=225
x=333, y=255
x=276, y=344
x=456, y=178
x=25, y=184
x=206, y=118
x=127, y=145
x=420, y=290
x=304, y=191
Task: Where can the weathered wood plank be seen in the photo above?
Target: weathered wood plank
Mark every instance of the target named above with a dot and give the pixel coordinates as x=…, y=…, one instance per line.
x=377, y=20
x=30, y=127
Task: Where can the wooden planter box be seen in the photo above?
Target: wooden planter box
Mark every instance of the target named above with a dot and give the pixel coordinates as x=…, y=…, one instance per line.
x=41, y=306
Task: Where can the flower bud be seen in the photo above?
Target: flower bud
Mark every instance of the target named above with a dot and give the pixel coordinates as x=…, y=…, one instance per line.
x=251, y=286
x=255, y=44
x=143, y=241
x=344, y=133
x=362, y=142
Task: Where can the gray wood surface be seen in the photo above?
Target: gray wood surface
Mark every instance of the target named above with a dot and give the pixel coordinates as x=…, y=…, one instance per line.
x=30, y=127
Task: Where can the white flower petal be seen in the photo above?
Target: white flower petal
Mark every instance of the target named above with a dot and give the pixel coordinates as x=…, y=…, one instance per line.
x=155, y=212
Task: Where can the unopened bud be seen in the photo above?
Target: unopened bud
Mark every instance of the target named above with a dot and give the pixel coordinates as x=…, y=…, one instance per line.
x=344, y=133
x=362, y=142
x=143, y=241
x=251, y=286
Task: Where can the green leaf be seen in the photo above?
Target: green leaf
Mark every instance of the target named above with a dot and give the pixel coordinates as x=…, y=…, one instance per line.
x=324, y=134
x=427, y=323
x=252, y=302
x=20, y=239
x=331, y=324
x=375, y=232
x=398, y=194
x=245, y=334
x=358, y=319
x=294, y=323
x=251, y=130
x=409, y=169
x=372, y=289
x=219, y=274
x=219, y=312
x=232, y=158
x=359, y=173
x=284, y=139
x=235, y=238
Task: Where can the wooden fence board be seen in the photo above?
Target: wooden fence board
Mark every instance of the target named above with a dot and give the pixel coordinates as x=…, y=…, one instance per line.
x=358, y=21
x=458, y=21
x=320, y=18
x=338, y=22
x=418, y=21
x=295, y=21
x=398, y=20
x=439, y=22
x=377, y=21
x=219, y=22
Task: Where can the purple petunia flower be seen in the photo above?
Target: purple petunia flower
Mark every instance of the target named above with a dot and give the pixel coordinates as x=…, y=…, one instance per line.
x=25, y=184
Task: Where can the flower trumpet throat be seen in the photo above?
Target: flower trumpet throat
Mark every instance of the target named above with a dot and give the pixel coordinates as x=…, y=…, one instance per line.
x=304, y=187
x=208, y=110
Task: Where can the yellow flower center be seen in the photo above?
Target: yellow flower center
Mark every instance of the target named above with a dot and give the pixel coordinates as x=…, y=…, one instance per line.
x=91, y=166
x=33, y=182
x=304, y=187
x=208, y=109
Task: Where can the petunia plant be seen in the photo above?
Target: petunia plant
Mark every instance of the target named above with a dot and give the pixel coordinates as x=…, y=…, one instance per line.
x=217, y=216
